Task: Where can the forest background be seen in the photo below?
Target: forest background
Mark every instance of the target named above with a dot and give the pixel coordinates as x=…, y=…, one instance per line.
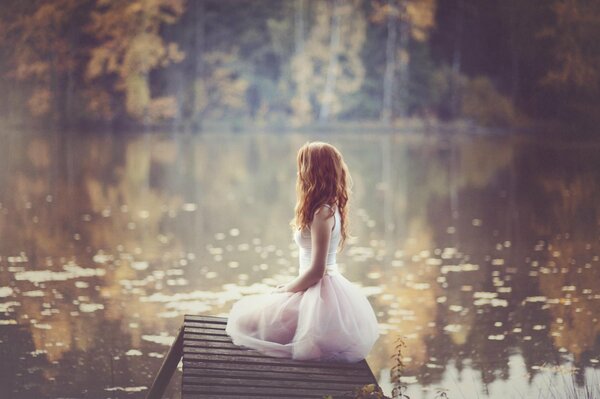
x=273, y=64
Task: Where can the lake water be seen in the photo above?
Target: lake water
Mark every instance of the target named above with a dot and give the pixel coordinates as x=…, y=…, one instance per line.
x=481, y=253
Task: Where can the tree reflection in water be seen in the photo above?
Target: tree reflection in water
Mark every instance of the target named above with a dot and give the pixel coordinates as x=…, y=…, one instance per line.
x=481, y=251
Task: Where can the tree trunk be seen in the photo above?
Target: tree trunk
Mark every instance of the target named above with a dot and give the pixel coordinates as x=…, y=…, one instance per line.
x=329, y=89
x=403, y=60
x=390, y=68
x=456, y=62
x=514, y=51
x=299, y=7
x=198, y=73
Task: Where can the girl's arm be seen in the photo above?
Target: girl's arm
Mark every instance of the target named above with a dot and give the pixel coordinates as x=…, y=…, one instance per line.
x=320, y=230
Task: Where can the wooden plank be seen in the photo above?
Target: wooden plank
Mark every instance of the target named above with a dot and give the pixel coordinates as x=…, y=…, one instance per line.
x=251, y=353
x=191, y=354
x=215, y=344
x=223, y=351
x=265, y=392
x=214, y=367
x=167, y=368
x=203, y=364
x=268, y=381
x=204, y=324
x=212, y=319
x=200, y=337
x=192, y=395
x=206, y=331
x=283, y=376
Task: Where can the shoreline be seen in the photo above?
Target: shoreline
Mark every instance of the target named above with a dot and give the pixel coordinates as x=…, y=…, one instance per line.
x=424, y=126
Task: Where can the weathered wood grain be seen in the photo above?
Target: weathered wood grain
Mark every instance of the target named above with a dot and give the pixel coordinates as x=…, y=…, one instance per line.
x=214, y=367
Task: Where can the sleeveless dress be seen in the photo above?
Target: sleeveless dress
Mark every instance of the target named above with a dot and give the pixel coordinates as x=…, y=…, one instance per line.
x=331, y=321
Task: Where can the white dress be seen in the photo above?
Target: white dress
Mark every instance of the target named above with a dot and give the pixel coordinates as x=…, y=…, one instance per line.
x=331, y=320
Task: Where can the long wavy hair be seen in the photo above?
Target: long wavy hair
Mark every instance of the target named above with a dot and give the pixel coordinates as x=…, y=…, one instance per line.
x=323, y=178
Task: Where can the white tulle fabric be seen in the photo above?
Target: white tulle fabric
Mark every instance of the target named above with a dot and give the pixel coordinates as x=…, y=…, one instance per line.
x=330, y=321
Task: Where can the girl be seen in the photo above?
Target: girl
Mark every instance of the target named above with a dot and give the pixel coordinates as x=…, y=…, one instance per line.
x=319, y=315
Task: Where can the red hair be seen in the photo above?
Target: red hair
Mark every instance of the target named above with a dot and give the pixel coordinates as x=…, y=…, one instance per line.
x=323, y=178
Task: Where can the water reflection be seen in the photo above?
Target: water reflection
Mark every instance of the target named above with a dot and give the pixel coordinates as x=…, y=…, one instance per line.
x=481, y=252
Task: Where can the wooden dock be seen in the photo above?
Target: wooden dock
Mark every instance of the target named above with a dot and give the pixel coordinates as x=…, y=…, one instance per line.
x=213, y=367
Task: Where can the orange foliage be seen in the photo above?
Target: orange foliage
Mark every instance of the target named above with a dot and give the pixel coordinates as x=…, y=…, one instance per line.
x=130, y=46
x=39, y=48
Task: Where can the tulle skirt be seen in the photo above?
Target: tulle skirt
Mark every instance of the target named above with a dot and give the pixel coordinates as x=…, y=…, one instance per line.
x=330, y=321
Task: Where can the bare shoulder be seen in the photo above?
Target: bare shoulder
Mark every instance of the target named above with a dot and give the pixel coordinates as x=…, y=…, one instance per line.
x=323, y=214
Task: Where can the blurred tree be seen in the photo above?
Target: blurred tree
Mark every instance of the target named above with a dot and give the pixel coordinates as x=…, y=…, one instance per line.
x=129, y=46
x=411, y=19
x=43, y=52
x=328, y=65
x=223, y=89
x=295, y=61
x=575, y=72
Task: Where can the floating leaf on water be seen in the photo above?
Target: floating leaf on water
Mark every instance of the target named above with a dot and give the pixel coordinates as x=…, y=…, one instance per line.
x=421, y=286
x=127, y=389
x=211, y=275
x=70, y=271
x=495, y=302
x=453, y=328
x=139, y=265
x=35, y=293
x=133, y=352
x=180, y=281
x=233, y=264
x=189, y=207
x=166, y=340
x=90, y=307
x=408, y=379
x=486, y=295
x=374, y=275
x=17, y=259
x=102, y=258
x=43, y=326
x=168, y=315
